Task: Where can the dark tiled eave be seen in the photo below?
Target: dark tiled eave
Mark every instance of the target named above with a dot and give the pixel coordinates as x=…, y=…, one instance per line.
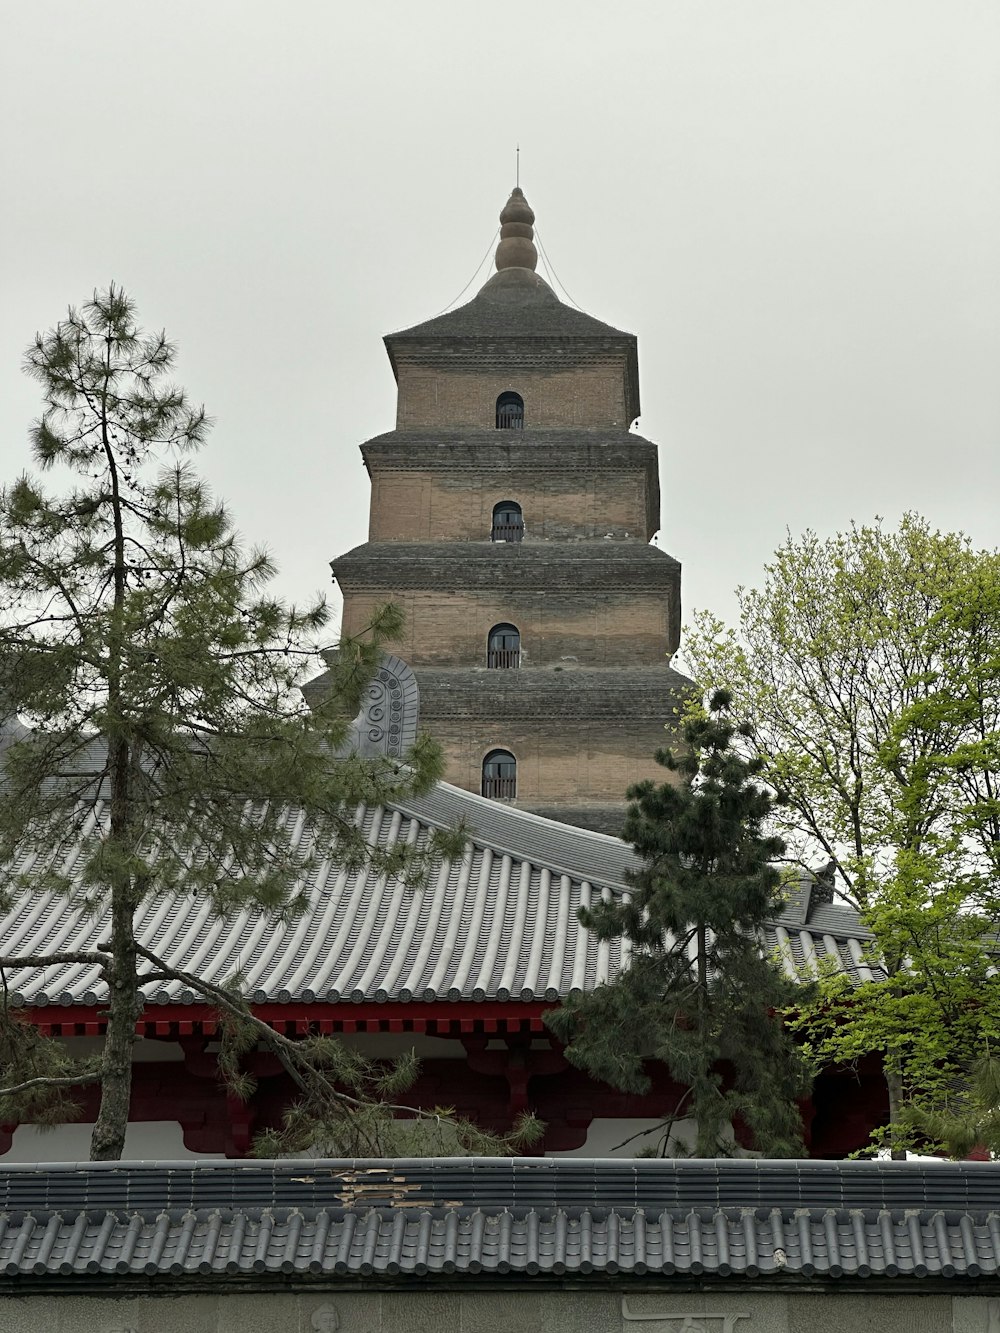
x=756, y=1223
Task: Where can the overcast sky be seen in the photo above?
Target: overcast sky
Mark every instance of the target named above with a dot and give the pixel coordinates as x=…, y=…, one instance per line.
x=795, y=204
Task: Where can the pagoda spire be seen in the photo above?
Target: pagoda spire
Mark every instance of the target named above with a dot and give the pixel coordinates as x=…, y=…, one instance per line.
x=516, y=248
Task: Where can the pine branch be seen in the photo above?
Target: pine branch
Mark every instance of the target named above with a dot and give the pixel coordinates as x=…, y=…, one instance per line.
x=288, y=1052
x=71, y=1081
x=668, y=1122
x=54, y=959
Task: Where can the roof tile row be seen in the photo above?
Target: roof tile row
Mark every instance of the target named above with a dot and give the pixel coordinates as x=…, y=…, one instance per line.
x=498, y=924
x=416, y=1242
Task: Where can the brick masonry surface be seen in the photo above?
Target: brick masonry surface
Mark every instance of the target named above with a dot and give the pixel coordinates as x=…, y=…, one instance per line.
x=578, y=763
x=584, y=589
x=448, y=627
x=585, y=396
x=435, y=507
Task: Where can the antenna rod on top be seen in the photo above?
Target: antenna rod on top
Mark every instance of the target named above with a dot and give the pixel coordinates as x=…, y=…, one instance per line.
x=517, y=166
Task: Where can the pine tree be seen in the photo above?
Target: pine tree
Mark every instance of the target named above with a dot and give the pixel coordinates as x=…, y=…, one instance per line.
x=155, y=733
x=698, y=994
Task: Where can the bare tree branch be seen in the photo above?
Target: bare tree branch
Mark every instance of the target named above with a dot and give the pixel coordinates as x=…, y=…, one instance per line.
x=54, y=959
x=70, y=1081
x=288, y=1052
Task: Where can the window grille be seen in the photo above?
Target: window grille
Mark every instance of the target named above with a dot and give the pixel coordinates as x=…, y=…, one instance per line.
x=508, y=522
x=510, y=411
x=500, y=775
x=503, y=647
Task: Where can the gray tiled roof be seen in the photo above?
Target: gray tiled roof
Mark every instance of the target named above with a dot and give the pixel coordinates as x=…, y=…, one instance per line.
x=575, y=695
x=500, y=923
x=539, y=1218
x=511, y=304
x=517, y=319
x=591, y=564
x=545, y=446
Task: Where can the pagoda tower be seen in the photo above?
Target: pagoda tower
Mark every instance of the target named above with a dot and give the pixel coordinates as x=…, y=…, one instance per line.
x=511, y=514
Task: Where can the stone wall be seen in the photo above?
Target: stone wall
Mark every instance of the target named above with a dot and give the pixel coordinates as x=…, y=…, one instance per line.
x=641, y=1307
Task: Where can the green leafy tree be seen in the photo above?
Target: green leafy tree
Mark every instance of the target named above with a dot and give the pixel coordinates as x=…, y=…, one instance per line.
x=698, y=994
x=869, y=667
x=968, y=1118
x=155, y=731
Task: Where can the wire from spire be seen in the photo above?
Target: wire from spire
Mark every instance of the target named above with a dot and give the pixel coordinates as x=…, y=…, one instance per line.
x=549, y=266
x=473, y=278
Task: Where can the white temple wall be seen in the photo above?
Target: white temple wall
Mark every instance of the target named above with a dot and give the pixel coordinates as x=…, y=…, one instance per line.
x=145, y=1141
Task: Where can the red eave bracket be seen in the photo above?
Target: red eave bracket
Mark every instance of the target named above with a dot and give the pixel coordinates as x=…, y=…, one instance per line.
x=441, y=1018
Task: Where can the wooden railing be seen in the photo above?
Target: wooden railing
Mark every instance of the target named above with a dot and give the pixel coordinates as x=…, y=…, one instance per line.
x=499, y=789
x=510, y=417
x=508, y=532
x=504, y=658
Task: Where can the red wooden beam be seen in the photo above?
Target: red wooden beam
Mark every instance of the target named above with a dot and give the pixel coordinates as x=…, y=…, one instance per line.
x=440, y=1018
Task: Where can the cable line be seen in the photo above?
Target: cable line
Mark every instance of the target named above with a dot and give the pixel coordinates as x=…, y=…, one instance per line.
x=551, y=268
x=473, y=278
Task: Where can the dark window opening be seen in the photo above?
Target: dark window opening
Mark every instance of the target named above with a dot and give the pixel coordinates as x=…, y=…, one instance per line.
x=500, y=775
x=508, y=522
x=510, y=411
x=503, y=648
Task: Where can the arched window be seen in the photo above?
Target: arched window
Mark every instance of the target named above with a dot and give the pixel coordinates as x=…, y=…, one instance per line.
x=510, y=411
x=508, y=522
x=500, y=775
x=503, y=647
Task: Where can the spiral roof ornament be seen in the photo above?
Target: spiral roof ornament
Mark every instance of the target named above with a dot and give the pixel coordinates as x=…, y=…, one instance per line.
x=516, y=248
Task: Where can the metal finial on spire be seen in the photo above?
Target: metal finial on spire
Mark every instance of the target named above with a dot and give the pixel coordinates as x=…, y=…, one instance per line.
x=517, y=166
x=516, y=248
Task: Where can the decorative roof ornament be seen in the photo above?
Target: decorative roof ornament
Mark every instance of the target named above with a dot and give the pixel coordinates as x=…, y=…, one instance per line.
x=516, y=248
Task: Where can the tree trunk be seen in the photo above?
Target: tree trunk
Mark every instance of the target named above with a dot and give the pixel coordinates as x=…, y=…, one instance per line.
x=107, y=1142
x=894, y=1083
x=894, y=1080
x=699, y=1111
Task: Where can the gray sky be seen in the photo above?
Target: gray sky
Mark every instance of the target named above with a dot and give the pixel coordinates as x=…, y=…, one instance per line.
x=794, y=203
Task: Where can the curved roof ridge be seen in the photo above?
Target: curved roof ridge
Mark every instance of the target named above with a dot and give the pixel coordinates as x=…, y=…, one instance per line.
x=563, y=849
